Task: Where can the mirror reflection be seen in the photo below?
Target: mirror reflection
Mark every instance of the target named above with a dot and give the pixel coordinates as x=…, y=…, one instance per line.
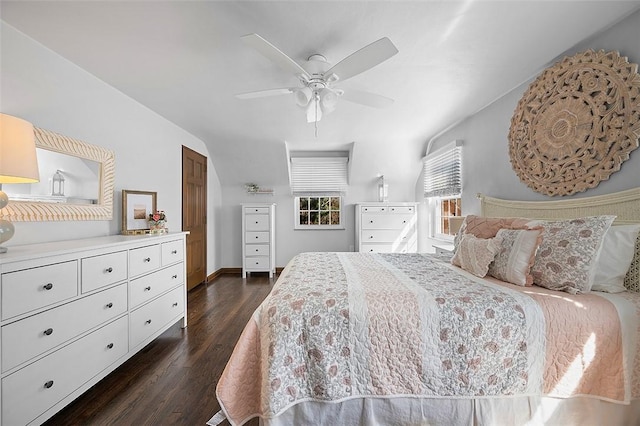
x=63, y=179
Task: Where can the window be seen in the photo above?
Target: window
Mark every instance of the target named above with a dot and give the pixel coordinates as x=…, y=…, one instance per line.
x=445, y=209
x=318, y=212
x=443, y=187
x=318, y=180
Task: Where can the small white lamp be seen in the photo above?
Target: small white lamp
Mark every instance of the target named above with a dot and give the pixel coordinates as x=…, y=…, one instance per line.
x=18, y=163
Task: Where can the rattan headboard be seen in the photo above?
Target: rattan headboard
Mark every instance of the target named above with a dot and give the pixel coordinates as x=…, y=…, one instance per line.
x=625, y=205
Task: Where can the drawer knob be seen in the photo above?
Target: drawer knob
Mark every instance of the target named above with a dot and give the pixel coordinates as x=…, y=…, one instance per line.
x=148, y=288
x=370, y=221
x=48, y=384
x=147, y=259
x=371, y=236
x=109, y=269
x=370, y=249
x=174, y=252
x=256, y=237
x=174, y=276
x=48, y=286
x=174, y=304
x=110, y=346
x=109, y=305
x=256, y=222
x=48, y=331
x=148, y=321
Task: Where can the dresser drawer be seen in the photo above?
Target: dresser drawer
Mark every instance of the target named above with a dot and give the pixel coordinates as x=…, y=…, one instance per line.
x=147, y=287
x=374, y=209
x=256, y=222
x=152, y=317
x=31, y=391
x=387, y=235
x=257, y=237
x=29, y=337
x=401, y=209
x=143, y=260
x=100, y=271
x=30, y=289
x=384, y=221
x=172, y=252
x=256, y=210
x=257, y=249
x=257, y=263
x=377, y=248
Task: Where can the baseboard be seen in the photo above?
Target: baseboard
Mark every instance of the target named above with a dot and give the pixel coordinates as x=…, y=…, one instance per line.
x=231, y=271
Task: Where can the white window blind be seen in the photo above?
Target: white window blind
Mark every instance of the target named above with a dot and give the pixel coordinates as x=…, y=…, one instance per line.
x=313, y=175
x=443, y=171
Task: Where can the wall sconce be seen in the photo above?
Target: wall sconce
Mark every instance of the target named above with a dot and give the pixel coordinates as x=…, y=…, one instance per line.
x=58, y=184
x=383, y=189
x=18, y=163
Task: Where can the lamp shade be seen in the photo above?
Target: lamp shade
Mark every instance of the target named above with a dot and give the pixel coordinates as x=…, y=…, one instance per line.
x=303, y=96
x=18, y=161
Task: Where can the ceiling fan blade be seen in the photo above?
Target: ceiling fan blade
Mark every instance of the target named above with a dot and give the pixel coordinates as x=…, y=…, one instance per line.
x=366, y=98
x=274, y=54
x=265, y=93
x=363, y=59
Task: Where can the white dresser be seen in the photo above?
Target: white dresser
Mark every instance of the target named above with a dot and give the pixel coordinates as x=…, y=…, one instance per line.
x=73, y=311
x=387, y=227
x=258, y=238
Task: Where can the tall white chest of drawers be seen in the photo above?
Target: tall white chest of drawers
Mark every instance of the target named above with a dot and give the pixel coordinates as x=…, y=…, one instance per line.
x=73, y=311
x=387, y=227
x=258, y=238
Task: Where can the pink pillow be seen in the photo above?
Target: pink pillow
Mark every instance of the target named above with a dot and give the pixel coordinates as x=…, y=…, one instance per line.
x=475, y=254
x=488, y=227
x=516, y=256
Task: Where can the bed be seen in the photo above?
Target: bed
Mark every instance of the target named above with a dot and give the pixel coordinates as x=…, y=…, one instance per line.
x=370, y=339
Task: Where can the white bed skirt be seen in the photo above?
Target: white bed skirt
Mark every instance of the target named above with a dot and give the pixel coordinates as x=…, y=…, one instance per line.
x=529, y=411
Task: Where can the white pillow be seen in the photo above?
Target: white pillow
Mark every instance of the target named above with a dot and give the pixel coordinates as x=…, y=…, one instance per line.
x=615, y=258
x=476, y=254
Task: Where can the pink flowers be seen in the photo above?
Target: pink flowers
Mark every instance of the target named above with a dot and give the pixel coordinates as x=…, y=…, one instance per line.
x=157, y=216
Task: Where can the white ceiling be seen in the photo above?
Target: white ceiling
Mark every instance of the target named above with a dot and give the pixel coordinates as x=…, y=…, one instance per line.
x=185, y=61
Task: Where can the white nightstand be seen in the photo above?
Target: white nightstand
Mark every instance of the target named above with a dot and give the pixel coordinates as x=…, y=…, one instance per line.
x=444, y=248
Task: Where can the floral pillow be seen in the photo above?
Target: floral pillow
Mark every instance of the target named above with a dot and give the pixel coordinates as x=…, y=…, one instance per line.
x=516, y=256
x=475, y=254
x=568, y=253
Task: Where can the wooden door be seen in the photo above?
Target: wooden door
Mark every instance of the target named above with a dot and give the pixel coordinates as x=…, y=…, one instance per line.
x=194, y=214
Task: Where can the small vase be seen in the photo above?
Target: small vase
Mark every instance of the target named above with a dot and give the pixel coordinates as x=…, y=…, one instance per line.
x=156, y=228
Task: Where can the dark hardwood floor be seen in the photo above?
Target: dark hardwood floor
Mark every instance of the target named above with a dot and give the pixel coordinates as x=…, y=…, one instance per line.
x=172, y=381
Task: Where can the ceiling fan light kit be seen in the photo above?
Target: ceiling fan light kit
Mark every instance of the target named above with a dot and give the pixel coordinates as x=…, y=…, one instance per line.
x=316, y=93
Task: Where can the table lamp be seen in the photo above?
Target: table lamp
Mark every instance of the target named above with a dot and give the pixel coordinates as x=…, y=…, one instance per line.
x=18, y=163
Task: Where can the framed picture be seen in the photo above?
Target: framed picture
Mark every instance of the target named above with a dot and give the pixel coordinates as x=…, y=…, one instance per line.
x=136, y=207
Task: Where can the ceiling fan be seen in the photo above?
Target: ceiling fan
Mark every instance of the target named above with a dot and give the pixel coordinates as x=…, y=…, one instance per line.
x=317, y=93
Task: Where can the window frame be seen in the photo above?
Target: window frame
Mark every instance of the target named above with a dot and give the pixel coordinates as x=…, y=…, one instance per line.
x=437, y=216
x=297, y=212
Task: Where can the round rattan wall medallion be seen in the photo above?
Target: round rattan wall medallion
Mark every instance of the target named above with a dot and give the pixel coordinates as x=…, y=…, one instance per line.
x=576, y=123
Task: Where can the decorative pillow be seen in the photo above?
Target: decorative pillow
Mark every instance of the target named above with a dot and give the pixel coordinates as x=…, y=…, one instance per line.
x=618, y=248
x=516, y=256
x=567, y=255
x=475, y=254
x=488, y=227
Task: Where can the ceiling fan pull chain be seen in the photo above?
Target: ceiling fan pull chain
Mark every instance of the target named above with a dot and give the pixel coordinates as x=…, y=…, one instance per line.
x=316, y=121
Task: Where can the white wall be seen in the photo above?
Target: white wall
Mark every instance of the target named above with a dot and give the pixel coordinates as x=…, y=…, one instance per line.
x=40, y=86
x=486, y=166
x=290, y=241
